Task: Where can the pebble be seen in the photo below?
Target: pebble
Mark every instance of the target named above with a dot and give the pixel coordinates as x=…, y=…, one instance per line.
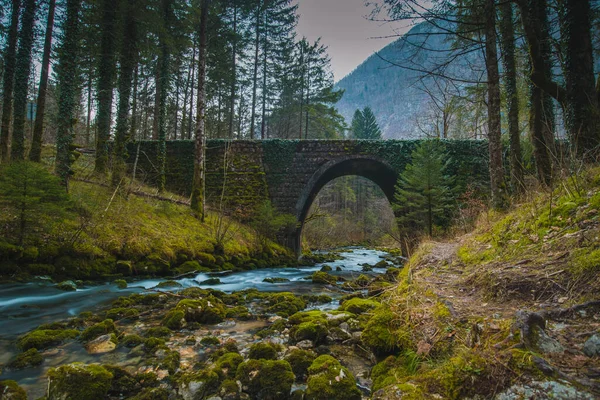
x=591, y=347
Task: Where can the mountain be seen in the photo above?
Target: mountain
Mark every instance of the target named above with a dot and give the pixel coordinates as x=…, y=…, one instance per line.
x=390, y=82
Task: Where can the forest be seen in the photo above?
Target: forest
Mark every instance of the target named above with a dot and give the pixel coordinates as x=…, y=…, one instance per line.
x=475, y=276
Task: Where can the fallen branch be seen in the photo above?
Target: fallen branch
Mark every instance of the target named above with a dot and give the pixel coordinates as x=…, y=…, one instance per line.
x=139, y=193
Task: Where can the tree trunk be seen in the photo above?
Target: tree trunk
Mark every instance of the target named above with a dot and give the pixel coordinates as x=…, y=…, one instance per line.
x=498, y=187
x=22, y=72
x=198, y=186
x=106, y=77
x=9, y=80
x=582, y=113
x=35, y=153
x=234, y=71
x=507, y=33
x=163, y=79
x=133, y=127
x=263, y=121
x=191, y=112
x=255, y=74
x=67, y=73
x=128, y=64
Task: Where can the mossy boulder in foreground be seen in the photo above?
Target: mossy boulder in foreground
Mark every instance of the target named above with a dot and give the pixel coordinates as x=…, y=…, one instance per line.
x=209, y=310
x=45, y=338
x=328, y=380
x=79, y=382
x=10, y=390
x=266, y=379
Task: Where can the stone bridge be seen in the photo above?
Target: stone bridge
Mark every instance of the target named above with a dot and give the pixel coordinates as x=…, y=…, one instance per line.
x=290, y=173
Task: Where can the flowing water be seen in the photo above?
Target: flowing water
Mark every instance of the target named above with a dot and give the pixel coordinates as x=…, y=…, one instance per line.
x=24, y=306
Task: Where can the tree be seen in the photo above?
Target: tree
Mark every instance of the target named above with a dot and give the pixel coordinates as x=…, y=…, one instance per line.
x=35, y=153
x=424, y=196
x=128, y=62
x=364, y=125
x=31, y=196
x=67, y=74
x=9, y=75
x=198, y=184
x=23, y=69
x=106, y=80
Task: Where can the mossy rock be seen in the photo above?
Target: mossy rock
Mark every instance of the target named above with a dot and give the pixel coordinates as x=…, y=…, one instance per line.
x=326, y=268
x=191, y=266
x=45, y=338
x=324, y=278
x=102, y=328
x=226, y=365
x=266, y=379
x=124, y=267
x=123, y=383
x=30, y=358
x=275, y=280
x=10, y=390
x=152, y=394
x=284, y=304
x=229, y=389
x=122, y=313
x=79, y=382
x=121, y=283
x=174, y=319
x=315, y=316
x=153, y=344
x=263, y=351
x=170, y=361
x=197, y=385
x=210, y=341
x=159, y=332
x=211, y=282
x=316, y=332
x=66, y=286
x=359, y=306
x=209, y=310
x=41, y=269
x=328, y=380
x=239, y=312
x=132, y=341
x=300, y=360
x=317, y=299
x=168, y=285
x=383, y=335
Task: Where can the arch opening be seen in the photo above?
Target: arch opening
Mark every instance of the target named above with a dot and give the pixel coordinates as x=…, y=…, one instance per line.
x=374, y=170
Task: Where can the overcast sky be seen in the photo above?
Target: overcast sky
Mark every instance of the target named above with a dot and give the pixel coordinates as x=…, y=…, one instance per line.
x=344, y=28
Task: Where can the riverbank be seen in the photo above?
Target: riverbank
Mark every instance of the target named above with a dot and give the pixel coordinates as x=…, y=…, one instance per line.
x=186, y=336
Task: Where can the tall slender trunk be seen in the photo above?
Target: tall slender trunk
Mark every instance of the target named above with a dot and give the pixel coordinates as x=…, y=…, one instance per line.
x=163, y=80
x=128, y=63
x=507, y=42
x=133, y=127
x=106, y=77
x=255, y=74
x=88, y=122
x=190, y=115
x=176, y=112
x=9, y=79
x=67, y=72
x=234, y=70
x=22, y=72
x=498, y=187
x=198, y=186
x=307, y=101
x=186, y=92
x=35, y=153
x=264, y=83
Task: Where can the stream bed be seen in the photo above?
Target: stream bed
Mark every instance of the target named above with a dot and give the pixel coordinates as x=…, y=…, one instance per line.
x=24, y=306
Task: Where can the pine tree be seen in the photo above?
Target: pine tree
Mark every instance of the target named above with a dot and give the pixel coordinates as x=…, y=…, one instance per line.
x=424, y=196
x=36, y=142
x=67, y=73
x=364, y=125
x=9, y=76
x=358, y=125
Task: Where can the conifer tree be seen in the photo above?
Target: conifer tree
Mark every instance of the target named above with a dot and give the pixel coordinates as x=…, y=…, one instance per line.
x=23, y=69
x=364, y=125
x=424, y=196
x=358, y=125
x=9, y=75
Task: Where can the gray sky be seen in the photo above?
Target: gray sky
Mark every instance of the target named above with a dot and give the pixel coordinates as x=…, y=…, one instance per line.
x=342, y=25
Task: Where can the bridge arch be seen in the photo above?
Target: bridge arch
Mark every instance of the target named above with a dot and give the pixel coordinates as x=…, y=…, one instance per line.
x=372, y=168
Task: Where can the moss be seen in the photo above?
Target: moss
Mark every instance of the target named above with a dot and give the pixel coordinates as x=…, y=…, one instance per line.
x=152, y=394
x=122, y=313
x=132, y=341
x=168, y=285
x=328, y=380
x=275, y=280
x=585, y=261
x=174, y=319
x=194, y=293
x=30, y=358
x=211, y=282
x=266, y=379
x=300, y=360
x=263, y=351
x=121, y=283
x=226, y=365
x=159, y=332
x=43, y=338
x=315, y=316
x=359, y=306
x=275, y=328
x=79, y=382
x=323, y=278
x=239, y=312
x=191, y=266
x=382, y=333
x=102, y=328
x=317, y=299
x=326, y=268
x=210, y=341
x=284, y=304
x=123, y=383
x=10, y=390
x=152, y=344
x=66, y=286
x=316, y=332
x=170, y=361
x=206, y=382
x=209, y=310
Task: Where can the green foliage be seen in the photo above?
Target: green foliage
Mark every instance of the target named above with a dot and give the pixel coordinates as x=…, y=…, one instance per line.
x=31, y=198
x=364, y=125
x=425, y=194
x=269, y=223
